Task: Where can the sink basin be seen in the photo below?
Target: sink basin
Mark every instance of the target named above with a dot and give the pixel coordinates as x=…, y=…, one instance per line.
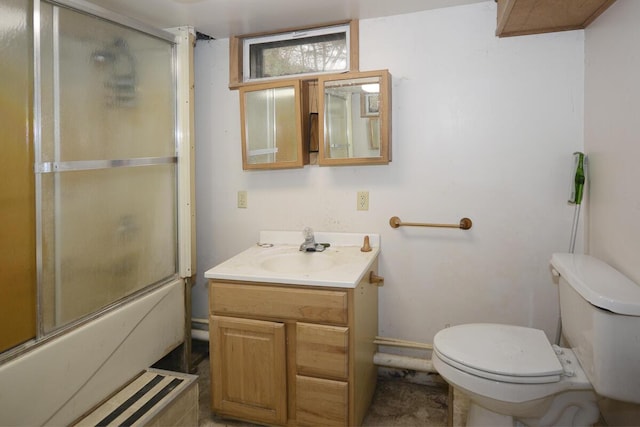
x=277, y=259
x=298, y=262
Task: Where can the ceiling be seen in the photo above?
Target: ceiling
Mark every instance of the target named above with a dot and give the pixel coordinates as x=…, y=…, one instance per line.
x=223, y=18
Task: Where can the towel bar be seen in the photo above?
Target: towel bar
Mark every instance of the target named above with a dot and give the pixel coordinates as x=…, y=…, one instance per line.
x=465, y=224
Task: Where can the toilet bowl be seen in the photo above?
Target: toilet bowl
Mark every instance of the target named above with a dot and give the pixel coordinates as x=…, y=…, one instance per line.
x=513, y=372
x=514, y=376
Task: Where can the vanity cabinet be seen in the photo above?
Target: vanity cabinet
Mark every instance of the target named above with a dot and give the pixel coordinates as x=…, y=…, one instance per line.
x=271, y=127
x=520, y=17
x=293, y=355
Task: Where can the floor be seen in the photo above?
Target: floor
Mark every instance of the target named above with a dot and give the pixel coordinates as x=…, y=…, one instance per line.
x=397, y=402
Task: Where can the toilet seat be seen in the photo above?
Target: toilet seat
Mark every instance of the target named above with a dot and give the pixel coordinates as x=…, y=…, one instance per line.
x=505, y=353
x=467, y=357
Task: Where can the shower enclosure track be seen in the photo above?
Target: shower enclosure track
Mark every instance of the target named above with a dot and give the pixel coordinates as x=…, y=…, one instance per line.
x=83, y=165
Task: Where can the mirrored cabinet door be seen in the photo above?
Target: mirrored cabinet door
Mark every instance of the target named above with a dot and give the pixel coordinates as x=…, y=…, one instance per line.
x=355, y=118
x=272, y=126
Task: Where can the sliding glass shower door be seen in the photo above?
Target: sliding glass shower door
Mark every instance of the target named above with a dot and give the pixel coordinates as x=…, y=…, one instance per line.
x=106, y=163
x=88, y=172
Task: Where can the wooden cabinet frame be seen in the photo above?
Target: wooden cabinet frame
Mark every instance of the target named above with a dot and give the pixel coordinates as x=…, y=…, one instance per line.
x=521, y=17
x=294, y=321
x=383, y=117
x=301, y=149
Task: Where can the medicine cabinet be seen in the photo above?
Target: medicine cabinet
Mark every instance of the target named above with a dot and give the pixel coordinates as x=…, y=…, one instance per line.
x=271, y=126
x=354, y=118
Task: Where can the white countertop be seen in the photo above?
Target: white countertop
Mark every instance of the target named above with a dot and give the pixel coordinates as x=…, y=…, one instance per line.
x=341, y=265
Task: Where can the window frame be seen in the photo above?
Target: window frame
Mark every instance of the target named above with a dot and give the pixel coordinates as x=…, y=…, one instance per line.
x=248, y=42
x=239, y=61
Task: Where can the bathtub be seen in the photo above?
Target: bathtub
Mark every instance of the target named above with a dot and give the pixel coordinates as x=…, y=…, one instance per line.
x=59, y=380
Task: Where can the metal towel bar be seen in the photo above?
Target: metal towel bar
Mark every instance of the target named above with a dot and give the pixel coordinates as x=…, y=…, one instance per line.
x=465, y=224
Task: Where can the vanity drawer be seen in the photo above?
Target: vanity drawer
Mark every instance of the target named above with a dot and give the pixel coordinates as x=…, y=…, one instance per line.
x=313, y=305
x=321, y=402
x=322, y=350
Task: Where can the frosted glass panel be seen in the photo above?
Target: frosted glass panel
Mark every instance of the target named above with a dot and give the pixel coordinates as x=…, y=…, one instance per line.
x=270, y=125
x=115, y=235
x=108, y=93
x=115, y=91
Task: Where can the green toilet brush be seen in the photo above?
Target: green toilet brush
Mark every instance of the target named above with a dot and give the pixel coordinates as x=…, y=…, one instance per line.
x=577, y=188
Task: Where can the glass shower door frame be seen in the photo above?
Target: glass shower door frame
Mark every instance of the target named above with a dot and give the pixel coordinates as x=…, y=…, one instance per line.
x=58, y=167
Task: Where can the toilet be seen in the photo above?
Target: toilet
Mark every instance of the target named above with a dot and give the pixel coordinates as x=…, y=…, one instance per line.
x=513, y=375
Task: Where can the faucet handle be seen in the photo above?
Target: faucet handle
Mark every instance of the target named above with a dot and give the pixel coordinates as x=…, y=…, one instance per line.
x=307, y=233
x=366, y=246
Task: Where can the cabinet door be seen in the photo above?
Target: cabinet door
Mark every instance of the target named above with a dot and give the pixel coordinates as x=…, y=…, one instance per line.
x=354, y=118
x=321, y=402
x=248, y=369
x=272, y=126
x=322, y=350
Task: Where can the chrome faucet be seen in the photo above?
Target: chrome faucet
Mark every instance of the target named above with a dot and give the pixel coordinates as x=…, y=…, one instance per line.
x=309, y=240
x=309, y=244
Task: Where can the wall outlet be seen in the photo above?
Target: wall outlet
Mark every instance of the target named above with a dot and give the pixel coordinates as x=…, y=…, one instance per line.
x=242, y=199
x=363, y=201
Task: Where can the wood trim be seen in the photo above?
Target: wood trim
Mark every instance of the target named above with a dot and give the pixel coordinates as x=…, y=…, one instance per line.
x=605, y=5
x=235, y=62
x=504, y=10
x=354, y=363
x=280, y=302
x=364, y=327
x=291, y=330
x=309, y=105
x=522, y=17
x=450, y=404
x=354, y=49
x=290, y=29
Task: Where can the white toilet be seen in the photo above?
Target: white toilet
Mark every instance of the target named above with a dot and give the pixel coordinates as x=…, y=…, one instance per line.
x=513, y=375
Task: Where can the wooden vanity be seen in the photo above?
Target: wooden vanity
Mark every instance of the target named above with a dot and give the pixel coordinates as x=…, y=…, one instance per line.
x=294, y=355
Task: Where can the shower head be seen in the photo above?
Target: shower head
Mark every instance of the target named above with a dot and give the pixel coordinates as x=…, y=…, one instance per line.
x=110, y=53
x=102, y=56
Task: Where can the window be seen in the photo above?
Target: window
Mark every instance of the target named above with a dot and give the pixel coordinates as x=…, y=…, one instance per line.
x=300, y=52
x=294, y=53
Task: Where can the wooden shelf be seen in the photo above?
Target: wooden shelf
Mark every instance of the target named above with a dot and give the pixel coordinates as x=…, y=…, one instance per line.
x=520, y=17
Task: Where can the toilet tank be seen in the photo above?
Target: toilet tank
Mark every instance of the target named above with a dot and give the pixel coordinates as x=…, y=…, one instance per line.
x=600, y=311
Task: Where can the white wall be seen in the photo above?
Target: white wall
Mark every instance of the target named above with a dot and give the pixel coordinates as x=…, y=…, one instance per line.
x=612, y=136
x=482, y=127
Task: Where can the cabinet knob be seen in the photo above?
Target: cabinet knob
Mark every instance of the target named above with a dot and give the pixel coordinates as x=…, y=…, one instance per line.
x=375, y=279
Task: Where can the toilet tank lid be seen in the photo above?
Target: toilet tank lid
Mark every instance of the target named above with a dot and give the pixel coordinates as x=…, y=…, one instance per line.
x=599, y=283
